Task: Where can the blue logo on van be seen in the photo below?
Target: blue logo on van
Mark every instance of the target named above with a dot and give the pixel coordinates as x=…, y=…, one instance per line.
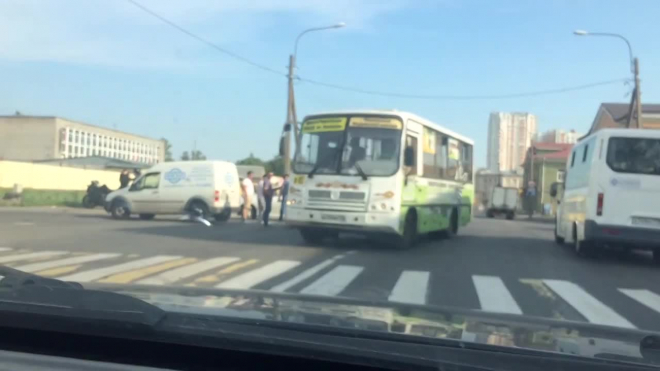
x=175, y=175
x=229, y=179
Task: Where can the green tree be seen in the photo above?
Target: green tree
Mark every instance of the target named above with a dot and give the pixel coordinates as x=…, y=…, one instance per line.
x=185, y=156
x=275, y=165
x=252, y=161
x=168, y=150
x=198, y=155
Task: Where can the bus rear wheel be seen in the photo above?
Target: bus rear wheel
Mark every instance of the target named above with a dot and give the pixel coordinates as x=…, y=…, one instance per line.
x=452, y=229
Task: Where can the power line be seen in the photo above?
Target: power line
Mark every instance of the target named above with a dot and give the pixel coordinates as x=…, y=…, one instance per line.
x=464, y=97
x=203, y=40
x=374, y=92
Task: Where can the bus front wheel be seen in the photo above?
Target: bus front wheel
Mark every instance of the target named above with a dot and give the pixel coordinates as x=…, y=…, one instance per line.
x=409, y=237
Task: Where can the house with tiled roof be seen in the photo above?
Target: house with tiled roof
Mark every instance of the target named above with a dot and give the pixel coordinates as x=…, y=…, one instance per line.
x=615, y=115
x=545, y=163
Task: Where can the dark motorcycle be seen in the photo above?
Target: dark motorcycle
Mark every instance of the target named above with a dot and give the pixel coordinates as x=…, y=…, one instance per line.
x=95, y=195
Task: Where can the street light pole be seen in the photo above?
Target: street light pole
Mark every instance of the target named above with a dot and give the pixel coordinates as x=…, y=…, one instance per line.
x=291, y=117
x=634, y=68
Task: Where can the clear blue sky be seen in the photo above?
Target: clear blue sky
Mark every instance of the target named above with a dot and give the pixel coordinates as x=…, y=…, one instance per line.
x=106, y=62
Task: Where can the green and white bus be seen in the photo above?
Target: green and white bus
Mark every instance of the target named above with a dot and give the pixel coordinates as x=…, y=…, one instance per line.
x=380, y=172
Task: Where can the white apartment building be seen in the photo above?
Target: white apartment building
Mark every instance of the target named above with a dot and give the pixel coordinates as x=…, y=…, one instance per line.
x=560, y=136
x=34, y=138
x=509, y=137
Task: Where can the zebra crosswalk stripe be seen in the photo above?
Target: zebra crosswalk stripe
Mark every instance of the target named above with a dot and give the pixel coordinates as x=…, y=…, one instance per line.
x=94, y=274
x=646, y=297
x=333, y=282
x=32, y=255
x=587, y=305
x=494, y=296
x=259, y=275
x=306, y=274
x=411, y=287
x=35, y=267
x=5, y=249
x=178, y=274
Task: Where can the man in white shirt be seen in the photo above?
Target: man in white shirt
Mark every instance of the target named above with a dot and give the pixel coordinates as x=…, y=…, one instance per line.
x=247, y=187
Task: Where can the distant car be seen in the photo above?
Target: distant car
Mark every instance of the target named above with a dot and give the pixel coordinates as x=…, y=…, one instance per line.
x=209, y=187
x=610, y=196
x=503, y=201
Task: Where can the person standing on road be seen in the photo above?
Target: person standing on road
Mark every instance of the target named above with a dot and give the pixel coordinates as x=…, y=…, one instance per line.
x=268, y=197
x=124, y=179
x=284, y=193
x=248, y=192
x=260, y=198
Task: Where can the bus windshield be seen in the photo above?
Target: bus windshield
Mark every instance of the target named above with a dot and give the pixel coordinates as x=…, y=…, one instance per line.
x=367, y=144
x=634, y=155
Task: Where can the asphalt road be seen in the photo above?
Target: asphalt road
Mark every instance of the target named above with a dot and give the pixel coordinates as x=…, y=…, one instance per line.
x=493, y=264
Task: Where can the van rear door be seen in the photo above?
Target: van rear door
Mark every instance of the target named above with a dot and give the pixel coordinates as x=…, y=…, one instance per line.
x=629, y=188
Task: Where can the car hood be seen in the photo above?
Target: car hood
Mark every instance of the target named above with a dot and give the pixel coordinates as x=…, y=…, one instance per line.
x=113, y=194
x=506, y=330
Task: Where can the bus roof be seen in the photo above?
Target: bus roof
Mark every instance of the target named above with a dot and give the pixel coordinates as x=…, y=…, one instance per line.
x=403, y=115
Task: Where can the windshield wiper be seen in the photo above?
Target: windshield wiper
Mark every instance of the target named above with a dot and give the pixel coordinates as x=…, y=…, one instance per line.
x=24, y=295
x=359, y=169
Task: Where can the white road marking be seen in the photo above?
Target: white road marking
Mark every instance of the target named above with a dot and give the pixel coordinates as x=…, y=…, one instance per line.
x=306, y=274
x=494, y=296
x=646, y=297
x=333, y=282
x=177, y=274
x=256, y=276
x=5, y=249
x=35, y=267
x=32, y=255
x=24, y=223
x=94, y=274
x=411, y=287
x=588, y=306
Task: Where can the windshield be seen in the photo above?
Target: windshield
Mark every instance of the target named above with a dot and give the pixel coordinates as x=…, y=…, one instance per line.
x=459, y=157
x=634, y=155
x=340, y=146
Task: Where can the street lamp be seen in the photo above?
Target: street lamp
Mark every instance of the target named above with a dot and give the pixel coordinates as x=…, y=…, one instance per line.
x=291, y=119
x=634, y=68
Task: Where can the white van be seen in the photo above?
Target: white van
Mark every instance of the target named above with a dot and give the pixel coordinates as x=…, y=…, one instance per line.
x=177, y=187
x=612, y=192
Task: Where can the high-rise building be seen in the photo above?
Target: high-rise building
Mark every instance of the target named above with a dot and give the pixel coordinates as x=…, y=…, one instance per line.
x=560, y=136
x=509, y=137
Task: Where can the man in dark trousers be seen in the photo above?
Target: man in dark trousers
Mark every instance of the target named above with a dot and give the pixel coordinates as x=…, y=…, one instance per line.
x=284, y=193
x=124, y=179
x=268, y=197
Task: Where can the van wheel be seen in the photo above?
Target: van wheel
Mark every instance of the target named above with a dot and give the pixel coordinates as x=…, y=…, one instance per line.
x=119, y=210
x=584, y=248
x=147, y=216
x=409, y=238
x=223, y=216
x=199, y=208
x=510, y=215
x=490, y=214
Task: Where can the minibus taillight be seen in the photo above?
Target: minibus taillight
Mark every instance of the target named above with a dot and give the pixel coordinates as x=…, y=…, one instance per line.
x=217, y=196
x=599, y=206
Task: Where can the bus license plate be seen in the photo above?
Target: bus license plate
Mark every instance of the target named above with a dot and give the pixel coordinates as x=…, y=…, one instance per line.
x=333, y=218
x=646, y=222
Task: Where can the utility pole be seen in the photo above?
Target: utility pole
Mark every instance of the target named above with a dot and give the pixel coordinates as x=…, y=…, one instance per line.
x=638, y=94
x=290, y=118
